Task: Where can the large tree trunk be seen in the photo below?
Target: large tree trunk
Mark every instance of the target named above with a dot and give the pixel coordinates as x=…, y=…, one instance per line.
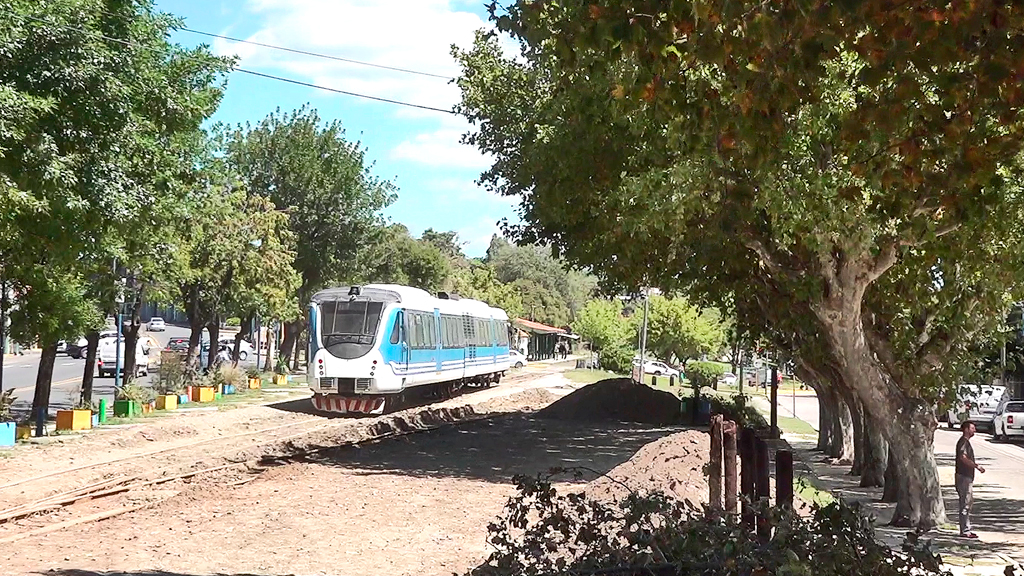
x=291, y=334
x=195, y=338
x=857, y=418
x=876, y=455
x=841, y=449
x=825, y=416
x=890, y=492
x=89, y=372
x=214, y=329
x=244, y=333
x=131, y=337
x=908, y=424
x=44, y=379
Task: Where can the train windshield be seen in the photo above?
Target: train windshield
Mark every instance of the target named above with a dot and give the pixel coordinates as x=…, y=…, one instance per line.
x=349, y=321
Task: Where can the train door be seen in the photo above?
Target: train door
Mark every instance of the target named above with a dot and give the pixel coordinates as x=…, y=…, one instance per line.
x=401, y=337
x=469, y=329
x=438, y=341
x=492, y=325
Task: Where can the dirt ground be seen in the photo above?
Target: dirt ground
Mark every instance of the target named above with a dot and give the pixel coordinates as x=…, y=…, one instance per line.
x=416, y=504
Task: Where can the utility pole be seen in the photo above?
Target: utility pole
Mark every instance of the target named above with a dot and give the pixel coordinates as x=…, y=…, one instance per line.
x=775, y=393
x=3, y=330
x=643, y=334
x=119, y=299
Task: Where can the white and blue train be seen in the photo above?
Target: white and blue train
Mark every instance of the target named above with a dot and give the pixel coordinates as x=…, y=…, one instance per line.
x=372, y=346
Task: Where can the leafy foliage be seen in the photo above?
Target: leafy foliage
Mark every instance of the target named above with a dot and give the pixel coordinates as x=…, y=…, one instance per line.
x=602, y=323
x=544, y=532
x=704, y=374
x=676, y=328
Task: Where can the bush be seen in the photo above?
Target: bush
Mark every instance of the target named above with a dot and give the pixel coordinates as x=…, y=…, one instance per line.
x=704, y=374
x=544, y=532
x=228, y=374
x=737, y=410
x=618, y=359
x=170, y=379
x=233, y=322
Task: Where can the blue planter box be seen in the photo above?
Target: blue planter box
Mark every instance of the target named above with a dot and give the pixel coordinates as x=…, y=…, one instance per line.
x=7, y=433
x=182, y=399
x=95, y=420
x=229, y=388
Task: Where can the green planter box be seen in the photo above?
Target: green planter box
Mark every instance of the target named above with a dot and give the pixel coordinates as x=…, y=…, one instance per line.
x=127, y=408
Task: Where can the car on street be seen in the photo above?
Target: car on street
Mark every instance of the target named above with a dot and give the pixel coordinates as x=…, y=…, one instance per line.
x=977, y=403
x=78, y=348
x=106, y=357
x=1009, y=420
x=657, y=368
x=156, y=324
x=729, y=379
x=62, y=346
x=516, y=358
x=245, y=349
x=177, y=345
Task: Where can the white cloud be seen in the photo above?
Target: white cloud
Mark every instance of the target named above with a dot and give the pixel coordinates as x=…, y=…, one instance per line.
x=441, y=148
x=410, y=34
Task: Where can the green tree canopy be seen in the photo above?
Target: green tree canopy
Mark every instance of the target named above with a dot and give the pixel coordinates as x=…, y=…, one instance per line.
x=835, y=165
x=675, y=328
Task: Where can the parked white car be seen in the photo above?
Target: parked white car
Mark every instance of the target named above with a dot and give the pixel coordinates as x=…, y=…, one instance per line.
x=106, y=357
x=156, y=325
x=729, y=379
x=1009, y=420
x=245, y=349
x=977, y=404
x=657, y=368
x=516, y=358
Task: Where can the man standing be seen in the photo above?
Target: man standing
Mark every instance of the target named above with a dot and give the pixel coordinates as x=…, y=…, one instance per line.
x=964, y=477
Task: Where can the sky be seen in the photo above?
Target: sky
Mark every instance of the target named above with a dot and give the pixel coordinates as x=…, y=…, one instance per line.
x=418, y=150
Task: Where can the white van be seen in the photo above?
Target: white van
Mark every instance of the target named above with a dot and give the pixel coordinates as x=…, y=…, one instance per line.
x=977, y=403
x=106, y=357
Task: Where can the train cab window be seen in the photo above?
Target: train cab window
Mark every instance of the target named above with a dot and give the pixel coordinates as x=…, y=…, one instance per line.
x=396, y=330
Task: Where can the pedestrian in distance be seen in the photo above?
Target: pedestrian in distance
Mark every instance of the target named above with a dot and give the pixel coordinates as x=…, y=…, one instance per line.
x=964, y=477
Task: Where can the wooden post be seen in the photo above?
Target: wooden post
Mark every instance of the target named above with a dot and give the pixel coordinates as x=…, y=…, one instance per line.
x=715, y=466
x=747, y=469
x=654, y=381
x=784, y=479
x=729, y=465
x=763, y=486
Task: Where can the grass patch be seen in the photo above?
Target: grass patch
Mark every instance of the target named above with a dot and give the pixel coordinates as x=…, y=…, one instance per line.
x=795, y=426
x=805, y=488
x=587, y=376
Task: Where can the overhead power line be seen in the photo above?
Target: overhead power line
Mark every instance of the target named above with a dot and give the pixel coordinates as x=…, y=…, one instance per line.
x=317, y=55
x=377, y=98
x=235, y=69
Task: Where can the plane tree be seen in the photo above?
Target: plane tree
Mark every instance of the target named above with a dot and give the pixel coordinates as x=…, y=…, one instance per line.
x=841, y=163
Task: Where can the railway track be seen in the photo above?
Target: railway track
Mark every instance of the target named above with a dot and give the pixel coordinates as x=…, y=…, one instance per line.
x=246, y=451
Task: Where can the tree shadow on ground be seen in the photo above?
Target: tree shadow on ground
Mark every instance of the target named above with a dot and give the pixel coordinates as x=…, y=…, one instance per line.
x=492, y=450
x=77, y=572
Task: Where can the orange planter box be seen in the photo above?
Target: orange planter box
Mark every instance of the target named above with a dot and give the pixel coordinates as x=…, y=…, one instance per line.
x=74, y=419
x=203, y=394
x=254, y=383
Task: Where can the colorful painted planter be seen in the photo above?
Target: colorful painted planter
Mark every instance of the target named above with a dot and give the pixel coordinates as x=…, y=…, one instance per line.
x=7, y=433
x=202, y=394
x=182, y=399
x=167, y=402
x=74, y=419
x=228, y=389
x=126, y=408
x=280, y=379
x=254, y=383
x=218, y=395
x=95, y=420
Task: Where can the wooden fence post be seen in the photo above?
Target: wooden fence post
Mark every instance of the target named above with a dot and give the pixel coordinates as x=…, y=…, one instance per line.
x=784, y=479
x=747, y=470
x=729, y=461
x=763, y=486
x=715, y=466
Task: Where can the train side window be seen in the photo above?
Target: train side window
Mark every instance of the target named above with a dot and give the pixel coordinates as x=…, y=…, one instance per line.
x=417, y=330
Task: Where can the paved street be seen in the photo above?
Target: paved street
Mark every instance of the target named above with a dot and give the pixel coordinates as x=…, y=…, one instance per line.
x=20, y=374
x=998, y=515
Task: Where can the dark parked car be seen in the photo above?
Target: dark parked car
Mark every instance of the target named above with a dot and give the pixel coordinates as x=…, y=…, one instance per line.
x=177, y=345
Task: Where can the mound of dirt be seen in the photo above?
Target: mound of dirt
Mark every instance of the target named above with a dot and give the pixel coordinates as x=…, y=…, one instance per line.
x=617, y=399
x=525, y=401
x=673, y=465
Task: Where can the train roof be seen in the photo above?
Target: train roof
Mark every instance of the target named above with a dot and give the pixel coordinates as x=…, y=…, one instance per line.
x=415, y=298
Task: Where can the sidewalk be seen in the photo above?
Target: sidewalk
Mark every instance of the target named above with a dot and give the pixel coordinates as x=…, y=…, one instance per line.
x=987, y=556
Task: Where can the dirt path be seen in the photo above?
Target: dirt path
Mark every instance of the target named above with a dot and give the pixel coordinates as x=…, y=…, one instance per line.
x=419, y=504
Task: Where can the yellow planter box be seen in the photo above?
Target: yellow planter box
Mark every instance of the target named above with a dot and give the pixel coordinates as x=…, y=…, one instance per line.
x=74, y=419
x=280, y=379
x=254, y=383
x=206, y=393
x=23, y=432
x=168, y=402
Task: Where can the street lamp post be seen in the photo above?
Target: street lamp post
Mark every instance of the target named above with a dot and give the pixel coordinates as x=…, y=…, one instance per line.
x=117, y=344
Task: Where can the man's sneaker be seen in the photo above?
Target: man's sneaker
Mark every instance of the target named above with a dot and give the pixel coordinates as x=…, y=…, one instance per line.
x=968, y=535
